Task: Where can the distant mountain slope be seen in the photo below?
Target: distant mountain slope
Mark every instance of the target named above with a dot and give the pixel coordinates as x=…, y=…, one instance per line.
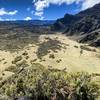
x=30, y=22
x=26, y=27
x=83, y=24
x=91, y=11
x=65, y=21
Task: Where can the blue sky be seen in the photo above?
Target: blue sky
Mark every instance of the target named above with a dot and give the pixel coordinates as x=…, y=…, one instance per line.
x=41, y=9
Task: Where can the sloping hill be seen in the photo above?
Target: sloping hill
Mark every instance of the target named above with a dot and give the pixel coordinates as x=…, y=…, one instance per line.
x=82, y=24
x=49, y=60
x=67, y=20
x=53, y=51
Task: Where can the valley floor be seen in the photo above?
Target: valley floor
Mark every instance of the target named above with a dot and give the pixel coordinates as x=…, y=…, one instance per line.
x=70, y=55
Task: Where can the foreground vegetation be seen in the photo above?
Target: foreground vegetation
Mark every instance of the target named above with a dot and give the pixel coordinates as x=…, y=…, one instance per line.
x=38, y=83
x=45, y=47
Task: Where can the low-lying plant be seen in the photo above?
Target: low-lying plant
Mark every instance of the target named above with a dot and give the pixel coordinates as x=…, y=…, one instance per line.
x=39, y=83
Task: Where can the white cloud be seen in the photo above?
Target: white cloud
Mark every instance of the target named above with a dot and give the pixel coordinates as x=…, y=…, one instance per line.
x=40, y=5
x=4, y=12
x=1, y=19
x=9, y=19
x=12, y=12
x=41, y=18
x=89, y=3
x=39, y=13
x=28, y=18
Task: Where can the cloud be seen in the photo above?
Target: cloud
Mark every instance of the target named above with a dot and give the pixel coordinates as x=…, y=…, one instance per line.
x=39, y=13
x=40, y=5
x=12, y=12
x=4, y=12
x=1, y=19
x=28, y=18
x=10, y=19
x=89, y=3
x=41, y=18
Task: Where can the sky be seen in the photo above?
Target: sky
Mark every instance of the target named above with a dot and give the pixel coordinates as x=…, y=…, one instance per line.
x=41, y=9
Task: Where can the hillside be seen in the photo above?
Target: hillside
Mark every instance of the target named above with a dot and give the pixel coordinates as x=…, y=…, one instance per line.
x=53, y=55
x=85, y=25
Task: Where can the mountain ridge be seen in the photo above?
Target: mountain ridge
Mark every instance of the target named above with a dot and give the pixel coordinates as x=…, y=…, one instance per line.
x=32, y=22
x=83, y=24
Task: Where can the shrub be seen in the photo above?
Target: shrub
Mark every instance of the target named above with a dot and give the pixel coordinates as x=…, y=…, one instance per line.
x=27, y=57
x=25, y=53
x=76, y=46
x=58, y=61
x=51, y=56
x=87, y=49
x=43, y=84
x=16, y=68
x=17, y=59
x=5, y=62
x=45, y=47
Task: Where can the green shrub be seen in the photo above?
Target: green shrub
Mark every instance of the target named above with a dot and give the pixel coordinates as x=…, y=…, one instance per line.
x=17, y=59
x=25, y=53
x=45, y=47
x=58, y=61
x=27, y=57
x=19, y=66
x=51, y=56
x=87, y=48
x=76, y=46
x=40, y=83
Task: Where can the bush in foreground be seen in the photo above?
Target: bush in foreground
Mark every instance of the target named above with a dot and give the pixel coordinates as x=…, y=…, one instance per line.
x=38, y=83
